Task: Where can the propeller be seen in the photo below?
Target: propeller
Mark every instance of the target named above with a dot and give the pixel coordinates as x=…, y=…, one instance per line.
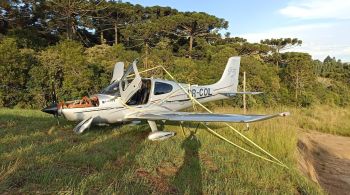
x=53, y=108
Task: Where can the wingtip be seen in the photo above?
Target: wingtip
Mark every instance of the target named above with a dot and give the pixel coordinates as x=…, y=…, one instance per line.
x=285, y=114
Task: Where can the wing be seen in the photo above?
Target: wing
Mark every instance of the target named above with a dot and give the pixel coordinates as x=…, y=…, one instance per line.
x=203, y=117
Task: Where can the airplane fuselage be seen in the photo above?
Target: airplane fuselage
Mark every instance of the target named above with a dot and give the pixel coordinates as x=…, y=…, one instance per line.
x=162, y=95
x=131, y=97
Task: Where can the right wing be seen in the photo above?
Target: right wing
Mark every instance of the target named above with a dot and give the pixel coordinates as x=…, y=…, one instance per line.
x=203, y=117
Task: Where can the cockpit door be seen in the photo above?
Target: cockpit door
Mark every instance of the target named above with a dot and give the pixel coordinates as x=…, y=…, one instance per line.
x=130, y=83
x=118, y=71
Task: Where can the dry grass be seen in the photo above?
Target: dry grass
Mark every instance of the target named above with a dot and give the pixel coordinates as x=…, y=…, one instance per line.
x=52, y=159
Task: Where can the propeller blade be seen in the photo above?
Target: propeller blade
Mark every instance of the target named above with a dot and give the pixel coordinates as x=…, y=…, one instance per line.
x=54, y=107
x=53, y=95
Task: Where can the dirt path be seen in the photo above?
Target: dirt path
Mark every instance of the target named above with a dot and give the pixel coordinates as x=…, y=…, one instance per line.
x=325, y=159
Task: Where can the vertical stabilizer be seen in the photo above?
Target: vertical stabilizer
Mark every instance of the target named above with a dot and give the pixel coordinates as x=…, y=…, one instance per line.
x=229, y=79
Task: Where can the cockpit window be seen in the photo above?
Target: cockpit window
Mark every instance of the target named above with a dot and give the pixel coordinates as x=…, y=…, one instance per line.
x=162, y=88
x=112, y=89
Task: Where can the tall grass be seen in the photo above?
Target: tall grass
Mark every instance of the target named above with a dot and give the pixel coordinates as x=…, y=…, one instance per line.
x=327, y=119
x=37, y=156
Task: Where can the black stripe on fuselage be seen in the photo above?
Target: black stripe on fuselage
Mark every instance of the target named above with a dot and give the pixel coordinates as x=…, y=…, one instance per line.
x=184, y=100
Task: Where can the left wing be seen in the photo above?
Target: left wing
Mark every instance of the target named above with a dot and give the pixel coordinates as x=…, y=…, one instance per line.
x=202, y=117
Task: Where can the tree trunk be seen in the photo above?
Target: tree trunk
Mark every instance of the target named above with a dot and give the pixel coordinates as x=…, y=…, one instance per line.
x=297, y=87
x=101, y=37
x=146, y=58
x=115, y=33
x=74, y=32
x=68, y=27
x=278, y=57
x=190, y=47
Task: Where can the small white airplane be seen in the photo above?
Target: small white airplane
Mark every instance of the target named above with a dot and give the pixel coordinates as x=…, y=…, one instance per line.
x=132, y=98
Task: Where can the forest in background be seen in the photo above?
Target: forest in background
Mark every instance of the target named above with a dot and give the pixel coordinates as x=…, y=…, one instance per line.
x=74, y=44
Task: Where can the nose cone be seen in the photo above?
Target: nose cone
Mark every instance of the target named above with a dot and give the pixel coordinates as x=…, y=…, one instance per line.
x=51, y=109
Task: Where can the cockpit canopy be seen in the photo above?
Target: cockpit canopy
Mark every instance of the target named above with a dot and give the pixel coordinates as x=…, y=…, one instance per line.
x=132, y=89
x=124, y=86
x=112, y=89
x=128, y=76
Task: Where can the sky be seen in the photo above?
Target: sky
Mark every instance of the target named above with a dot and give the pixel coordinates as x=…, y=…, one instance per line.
x=322, y=25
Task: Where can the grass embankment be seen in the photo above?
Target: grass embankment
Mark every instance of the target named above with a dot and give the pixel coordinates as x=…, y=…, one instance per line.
x=327, y=119
x=38, y=156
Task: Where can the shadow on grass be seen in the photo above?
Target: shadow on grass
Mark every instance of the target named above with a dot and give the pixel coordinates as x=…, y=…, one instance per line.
x=188, y=178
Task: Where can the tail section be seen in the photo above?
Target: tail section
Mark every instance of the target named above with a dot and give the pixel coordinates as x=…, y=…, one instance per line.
x=229, y=79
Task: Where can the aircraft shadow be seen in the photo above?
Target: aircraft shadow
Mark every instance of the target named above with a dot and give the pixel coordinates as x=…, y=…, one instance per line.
x=188, y=178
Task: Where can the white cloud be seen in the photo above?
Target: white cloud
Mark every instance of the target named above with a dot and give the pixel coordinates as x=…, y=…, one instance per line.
x=319, y=40
x=317, y=9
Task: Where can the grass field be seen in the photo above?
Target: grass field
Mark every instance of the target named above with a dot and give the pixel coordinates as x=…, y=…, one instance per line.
x=37, y=156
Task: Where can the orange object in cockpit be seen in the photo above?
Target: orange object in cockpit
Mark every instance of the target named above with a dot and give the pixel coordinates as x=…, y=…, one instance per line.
x=83, y=103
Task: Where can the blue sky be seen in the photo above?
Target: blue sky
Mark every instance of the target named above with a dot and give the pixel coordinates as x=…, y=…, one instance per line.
x=323, y=25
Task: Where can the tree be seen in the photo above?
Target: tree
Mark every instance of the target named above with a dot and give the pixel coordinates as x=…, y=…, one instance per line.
x=193, y=24
x=260, y=77
x=246, y=49
x=66, y=65
x=185, y=70
x=145, y=34
x=298, y=73
x=69, y=15
x=281, y=44
x=117, y=15
x=15, y=64
x=230, y=40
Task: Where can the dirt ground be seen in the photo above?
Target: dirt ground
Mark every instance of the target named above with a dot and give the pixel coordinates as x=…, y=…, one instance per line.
x=325, y=158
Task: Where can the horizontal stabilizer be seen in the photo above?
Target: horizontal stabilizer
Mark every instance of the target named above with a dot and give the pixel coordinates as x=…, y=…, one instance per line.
x=247, y=92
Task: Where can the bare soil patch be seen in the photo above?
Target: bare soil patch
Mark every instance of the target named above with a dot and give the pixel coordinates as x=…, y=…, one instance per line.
x=325, y=159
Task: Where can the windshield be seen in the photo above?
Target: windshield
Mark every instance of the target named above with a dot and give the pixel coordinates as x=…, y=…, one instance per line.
x=112, y=89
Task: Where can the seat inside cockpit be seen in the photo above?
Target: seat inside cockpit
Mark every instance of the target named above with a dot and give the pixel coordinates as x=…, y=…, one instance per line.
x=142, y=95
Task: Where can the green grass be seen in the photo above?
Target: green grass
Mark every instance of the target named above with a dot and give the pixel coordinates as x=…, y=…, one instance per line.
x=37, y=156
x=327, y=119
